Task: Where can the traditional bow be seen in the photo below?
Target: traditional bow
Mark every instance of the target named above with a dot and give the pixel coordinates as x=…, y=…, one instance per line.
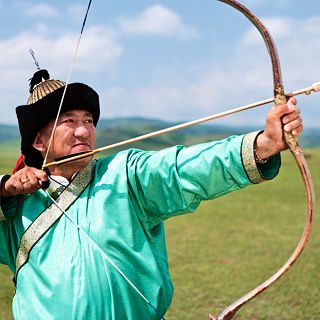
x=280, y=98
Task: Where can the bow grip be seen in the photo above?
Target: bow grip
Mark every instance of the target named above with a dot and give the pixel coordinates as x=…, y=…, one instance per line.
x=291, y=140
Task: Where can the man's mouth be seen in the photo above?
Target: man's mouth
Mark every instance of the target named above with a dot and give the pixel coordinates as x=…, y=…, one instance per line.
x=82, y=145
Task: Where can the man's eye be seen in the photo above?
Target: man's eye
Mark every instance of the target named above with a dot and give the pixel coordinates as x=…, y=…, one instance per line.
x=66, y=121
x=90, y=121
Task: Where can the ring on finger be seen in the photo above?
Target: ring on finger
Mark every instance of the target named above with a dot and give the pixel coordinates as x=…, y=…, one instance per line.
x=23, y=181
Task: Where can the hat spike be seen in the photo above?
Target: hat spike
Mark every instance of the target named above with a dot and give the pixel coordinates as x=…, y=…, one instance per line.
x=34, y=58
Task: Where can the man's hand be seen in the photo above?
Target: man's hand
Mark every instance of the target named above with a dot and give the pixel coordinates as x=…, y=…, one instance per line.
x=283, y=117
x=25, y=181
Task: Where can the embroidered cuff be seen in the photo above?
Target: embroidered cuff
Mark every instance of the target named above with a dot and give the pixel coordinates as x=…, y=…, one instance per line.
x=2, y=179
x=258, y=172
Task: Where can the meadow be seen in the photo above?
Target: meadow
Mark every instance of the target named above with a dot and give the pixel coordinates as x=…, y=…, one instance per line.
x=232, y=244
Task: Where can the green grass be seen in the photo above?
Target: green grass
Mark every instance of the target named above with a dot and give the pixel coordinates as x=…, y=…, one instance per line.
x=234, y=243
x=231, y=245
x=9, y=153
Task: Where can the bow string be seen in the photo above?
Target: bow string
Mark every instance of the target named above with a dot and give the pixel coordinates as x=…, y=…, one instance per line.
x=44, y=166
x=67, y=83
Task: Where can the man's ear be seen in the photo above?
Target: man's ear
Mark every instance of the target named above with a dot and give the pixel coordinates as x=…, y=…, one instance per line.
x=38, y=143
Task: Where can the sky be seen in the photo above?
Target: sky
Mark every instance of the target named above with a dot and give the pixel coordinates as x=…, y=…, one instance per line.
x=175, y=60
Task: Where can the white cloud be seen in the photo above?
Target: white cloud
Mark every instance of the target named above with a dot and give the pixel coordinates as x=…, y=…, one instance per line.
x=76, y=12
x=215, y=91
x=40, y=10
x=275, y=3
x=99, y=49
x=279, y=27
x=147, y=101
x=158, y=20
x=98, y=53
x=178, y=99
x=295, y=40
x=244, y=78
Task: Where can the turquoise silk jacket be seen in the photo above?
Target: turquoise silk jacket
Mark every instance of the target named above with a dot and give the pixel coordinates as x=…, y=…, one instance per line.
x=121, y=202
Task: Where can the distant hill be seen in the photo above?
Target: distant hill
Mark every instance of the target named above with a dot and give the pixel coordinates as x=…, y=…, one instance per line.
x=118, y=129
x=310, y=138
x=8, y=133
x=114, y=130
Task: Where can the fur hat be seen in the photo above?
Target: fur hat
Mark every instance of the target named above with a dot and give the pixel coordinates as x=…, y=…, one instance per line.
x=43, y=105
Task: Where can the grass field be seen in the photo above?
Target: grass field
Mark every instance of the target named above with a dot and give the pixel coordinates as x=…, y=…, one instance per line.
x=231, y=245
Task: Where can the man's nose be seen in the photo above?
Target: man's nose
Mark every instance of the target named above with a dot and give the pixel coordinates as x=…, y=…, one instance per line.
x=81, y=131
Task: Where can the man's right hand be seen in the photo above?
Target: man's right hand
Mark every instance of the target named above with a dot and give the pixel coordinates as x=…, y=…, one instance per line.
x=25, y=181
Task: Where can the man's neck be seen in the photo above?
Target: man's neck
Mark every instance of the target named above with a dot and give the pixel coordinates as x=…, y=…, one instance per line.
x=68, y=170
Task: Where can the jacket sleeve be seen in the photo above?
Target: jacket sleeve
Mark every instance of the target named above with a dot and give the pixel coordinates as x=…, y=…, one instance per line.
x=8, y=208
x=175, y=180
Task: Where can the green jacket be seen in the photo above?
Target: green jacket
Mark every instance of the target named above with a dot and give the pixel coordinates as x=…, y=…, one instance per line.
x=121, y=202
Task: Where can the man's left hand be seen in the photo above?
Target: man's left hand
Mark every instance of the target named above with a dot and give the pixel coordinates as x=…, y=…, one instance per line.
x=279, y=119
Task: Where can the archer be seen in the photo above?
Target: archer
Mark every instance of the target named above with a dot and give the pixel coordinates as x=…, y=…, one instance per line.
x=120, y=201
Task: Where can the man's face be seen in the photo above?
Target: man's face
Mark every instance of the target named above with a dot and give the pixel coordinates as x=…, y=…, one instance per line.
x=74, y=133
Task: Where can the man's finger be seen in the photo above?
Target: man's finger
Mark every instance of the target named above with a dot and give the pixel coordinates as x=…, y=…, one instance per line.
x=279, y=111
x=293, y=125
x=32, y=179
x=291, y=117
x=296, y=132
x=41, y=175
x=292, y=101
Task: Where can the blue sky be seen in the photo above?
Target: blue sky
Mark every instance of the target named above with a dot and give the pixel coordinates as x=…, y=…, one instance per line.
x=174, y=60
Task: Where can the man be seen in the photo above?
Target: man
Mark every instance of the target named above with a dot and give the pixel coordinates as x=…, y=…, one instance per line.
x=120, y=202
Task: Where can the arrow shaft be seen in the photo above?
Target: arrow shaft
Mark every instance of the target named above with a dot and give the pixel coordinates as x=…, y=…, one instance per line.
x=184, y=125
